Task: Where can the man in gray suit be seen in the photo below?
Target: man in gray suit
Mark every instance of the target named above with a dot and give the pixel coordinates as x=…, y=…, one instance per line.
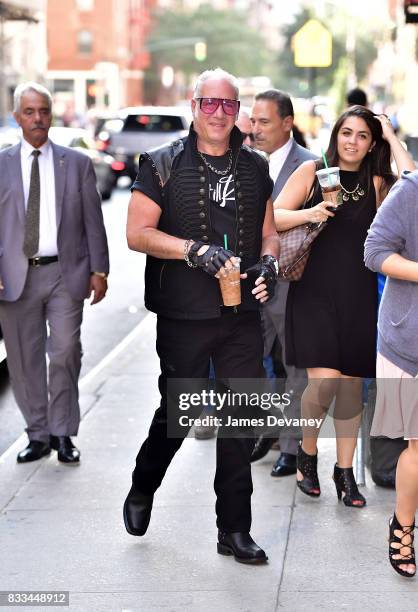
x=53, y=255
x=272, y=122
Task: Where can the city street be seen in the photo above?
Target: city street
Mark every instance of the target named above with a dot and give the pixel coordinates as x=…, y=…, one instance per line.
x=62, y=528
x=105, y=324
x=275, y=151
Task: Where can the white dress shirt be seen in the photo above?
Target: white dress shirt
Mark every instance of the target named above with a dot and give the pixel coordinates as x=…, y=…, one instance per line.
x=278, y=158
x=47, y=213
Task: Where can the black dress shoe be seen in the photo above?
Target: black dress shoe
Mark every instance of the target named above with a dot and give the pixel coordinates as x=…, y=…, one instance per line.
x=242, y=546
x=137, y=512
x=67, y=452
x=285, y=465
x=34, y=451
x=261, y=447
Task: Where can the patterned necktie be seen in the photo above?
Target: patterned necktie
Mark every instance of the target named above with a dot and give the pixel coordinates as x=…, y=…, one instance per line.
x=31, y=241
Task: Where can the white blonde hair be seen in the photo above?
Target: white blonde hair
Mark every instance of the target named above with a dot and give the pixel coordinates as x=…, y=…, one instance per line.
x=30, y=86
x=217, y=73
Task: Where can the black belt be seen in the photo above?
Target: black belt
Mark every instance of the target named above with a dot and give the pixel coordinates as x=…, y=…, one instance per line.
x=228, y=310
x=42, y=261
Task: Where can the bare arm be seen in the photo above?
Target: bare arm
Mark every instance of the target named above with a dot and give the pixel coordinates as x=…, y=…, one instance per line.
x=403, y=159
x=397, y=266
x=142, y=233
x=270, y=244
x=293, y=195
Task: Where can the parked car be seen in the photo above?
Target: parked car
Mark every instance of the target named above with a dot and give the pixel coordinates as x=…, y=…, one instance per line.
x=9, y=137
x=137, y=129
x=79, y=139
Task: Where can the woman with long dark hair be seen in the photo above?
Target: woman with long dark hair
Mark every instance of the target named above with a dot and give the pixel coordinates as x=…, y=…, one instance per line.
x=331, y=312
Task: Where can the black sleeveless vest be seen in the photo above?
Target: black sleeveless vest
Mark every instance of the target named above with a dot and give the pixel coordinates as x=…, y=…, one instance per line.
x=172, y=288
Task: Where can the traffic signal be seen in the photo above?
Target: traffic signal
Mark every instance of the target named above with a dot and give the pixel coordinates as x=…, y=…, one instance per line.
x=200, y=51
x=411, y=11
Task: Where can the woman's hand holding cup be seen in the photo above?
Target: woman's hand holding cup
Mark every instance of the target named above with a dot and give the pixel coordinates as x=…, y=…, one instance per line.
x=319, y=213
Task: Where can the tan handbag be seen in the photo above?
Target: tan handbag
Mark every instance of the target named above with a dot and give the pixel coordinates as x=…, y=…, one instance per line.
x=296, y=243
x=295, y=246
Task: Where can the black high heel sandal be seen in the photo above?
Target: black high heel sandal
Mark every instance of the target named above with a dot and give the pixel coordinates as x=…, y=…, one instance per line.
x=394, y=539
x=307, y=466
x=345, y=483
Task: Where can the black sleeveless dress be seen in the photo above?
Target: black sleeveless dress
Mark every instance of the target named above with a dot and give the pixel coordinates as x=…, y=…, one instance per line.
x=331, y=312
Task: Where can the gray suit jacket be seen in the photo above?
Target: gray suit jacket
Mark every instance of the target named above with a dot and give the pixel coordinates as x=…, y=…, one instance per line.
x=297, y=155
x=81, y=235
x=274, y=309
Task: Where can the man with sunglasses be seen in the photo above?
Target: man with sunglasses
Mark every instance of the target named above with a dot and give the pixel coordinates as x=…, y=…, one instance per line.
x=243, y=123
x=196, y=204
x=272, y=122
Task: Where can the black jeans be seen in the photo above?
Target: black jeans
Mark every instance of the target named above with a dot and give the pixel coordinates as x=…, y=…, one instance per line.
x=235, y=344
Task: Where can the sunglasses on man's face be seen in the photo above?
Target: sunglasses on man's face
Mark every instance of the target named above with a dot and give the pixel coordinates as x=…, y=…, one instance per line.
x=249, y=135
x=210, y=105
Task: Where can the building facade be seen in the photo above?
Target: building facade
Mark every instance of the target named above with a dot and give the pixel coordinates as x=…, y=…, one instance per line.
x=23, y=53
x=96, y=54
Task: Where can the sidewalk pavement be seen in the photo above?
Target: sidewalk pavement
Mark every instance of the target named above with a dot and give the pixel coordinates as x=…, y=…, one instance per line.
x=61, y=527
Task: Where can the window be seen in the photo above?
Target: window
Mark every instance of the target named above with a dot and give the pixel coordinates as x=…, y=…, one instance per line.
x=153, y=123
x=66, y=85
x=85, y=42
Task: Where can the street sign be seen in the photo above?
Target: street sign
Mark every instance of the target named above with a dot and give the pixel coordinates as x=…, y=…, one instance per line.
x=312, y=45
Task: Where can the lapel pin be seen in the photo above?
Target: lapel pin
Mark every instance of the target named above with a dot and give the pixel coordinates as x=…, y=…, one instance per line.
x=61, y=163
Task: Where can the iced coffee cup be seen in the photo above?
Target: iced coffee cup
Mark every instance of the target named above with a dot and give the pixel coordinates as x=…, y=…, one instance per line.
x=329, y=179
x=230, y=283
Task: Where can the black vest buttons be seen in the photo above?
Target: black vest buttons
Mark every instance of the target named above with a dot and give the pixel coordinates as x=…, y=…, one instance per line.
x=203, y=227
x=201, y=202
x=202, y=179
x=239, y=194
x=240, y=243
x=201, y=169
x=241, y=232
x=202, y=215
x=202, y=191
x=240, y=208
x=241, y=219
x=238, y=184
x=241, y=254
x=205, y=238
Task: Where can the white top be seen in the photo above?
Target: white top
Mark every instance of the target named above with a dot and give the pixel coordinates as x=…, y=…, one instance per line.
x=47, y=213
x=277, y=159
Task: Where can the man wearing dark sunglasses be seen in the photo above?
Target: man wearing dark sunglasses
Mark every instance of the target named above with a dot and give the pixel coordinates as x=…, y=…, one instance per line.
x=196, y=204
x=243, y=123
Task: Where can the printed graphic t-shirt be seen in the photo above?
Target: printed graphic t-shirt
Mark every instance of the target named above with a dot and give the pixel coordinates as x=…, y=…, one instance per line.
x=222, y=209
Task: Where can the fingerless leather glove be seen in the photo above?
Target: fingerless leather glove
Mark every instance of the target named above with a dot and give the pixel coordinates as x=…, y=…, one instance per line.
x=212, y=260
x=266, y=268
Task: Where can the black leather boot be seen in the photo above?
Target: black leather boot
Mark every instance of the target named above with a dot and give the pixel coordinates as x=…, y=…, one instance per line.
x=137, y=512
x=241, y=546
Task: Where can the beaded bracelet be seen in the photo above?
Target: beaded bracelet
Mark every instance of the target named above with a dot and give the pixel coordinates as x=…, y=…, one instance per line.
x=187, y=245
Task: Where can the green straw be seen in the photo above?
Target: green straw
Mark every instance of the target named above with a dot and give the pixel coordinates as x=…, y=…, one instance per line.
x=226, y=242
x=324, y=157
